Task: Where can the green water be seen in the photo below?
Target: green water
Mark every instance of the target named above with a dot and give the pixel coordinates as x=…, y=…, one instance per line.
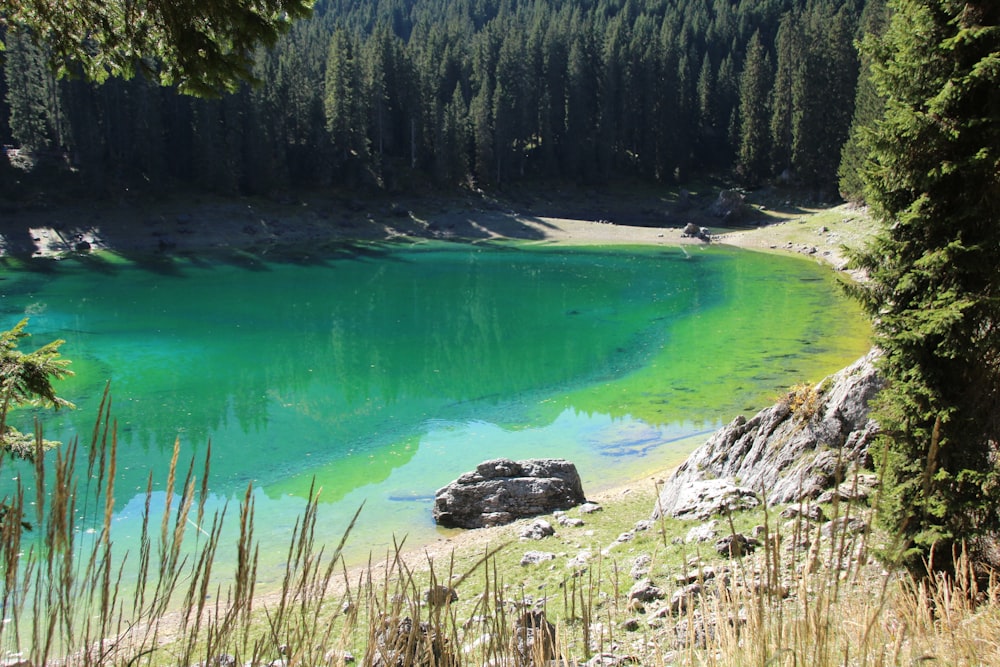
x=385, y=372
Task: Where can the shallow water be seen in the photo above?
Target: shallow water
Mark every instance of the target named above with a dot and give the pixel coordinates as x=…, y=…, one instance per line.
x=384, y=372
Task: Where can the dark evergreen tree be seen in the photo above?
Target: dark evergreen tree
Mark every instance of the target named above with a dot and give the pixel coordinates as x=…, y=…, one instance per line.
x=868, y=108
x=789, y=52
x=499, y=89
x=827, y=71
x=933, y=179
x=344, y=106
x=202, y=47
x=582, y=107
x=35, y=115
x=755, y=85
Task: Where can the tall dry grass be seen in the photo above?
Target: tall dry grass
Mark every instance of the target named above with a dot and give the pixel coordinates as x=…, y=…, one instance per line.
x=805, y=597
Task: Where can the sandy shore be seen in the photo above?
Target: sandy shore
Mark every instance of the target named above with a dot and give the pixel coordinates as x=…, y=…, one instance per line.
x=206, y=226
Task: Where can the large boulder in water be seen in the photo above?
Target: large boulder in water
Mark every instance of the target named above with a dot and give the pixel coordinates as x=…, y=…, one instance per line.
x=501, y=491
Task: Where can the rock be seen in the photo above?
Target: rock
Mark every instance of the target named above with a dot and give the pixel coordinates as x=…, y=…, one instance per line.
x=640, y=566
x=569, y=521
x=631, y=624
x=82, y=246
x=338, y=657
x=707, y=573
x=590, y=508
x=692, y=230
x=694, y=632
x=644, y=591
x=734, y=546
x=683, y=598
x=859, y=488
x=534, y=640
x=536, y=557
x=613, y=660
x=398, y=641
x=790, y=451
x=808, y=511
x=843, y=525
x=501, y=491
x=537, y=530
x=439, y=596
x=701, y=499
x=731, y=206
x=627, y=536
x=579, y=561
x=703, y=532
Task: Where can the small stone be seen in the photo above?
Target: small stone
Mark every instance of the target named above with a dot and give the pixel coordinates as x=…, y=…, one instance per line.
x=537, y=530
x=580, y=560
x=536, y=557
x=569, y=522
x=611, y=660
x=702, y=533
x=734, y=546
x=640, y=566
x=439, y=596
x=682, y=598
x=849, y=525
x=809, y=511
x=644, y=591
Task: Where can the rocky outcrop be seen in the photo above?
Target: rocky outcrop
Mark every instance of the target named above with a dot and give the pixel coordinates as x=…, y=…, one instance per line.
x=501, y=491
x=791, y=451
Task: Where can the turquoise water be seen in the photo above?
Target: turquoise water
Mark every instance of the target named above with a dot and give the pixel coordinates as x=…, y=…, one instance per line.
x=383, y=372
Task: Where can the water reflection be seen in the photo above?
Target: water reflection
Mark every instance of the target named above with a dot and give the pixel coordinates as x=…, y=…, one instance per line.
x=347, y=369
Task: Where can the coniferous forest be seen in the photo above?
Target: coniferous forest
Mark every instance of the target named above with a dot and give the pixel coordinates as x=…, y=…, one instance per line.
x=397, y=94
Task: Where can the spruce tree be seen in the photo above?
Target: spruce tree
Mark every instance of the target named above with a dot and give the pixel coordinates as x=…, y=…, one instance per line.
x=202, y=47
x=933, y=179
x=867, y=108
x=755, y=86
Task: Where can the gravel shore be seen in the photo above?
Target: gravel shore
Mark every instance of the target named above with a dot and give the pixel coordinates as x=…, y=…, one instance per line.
x=207, y=226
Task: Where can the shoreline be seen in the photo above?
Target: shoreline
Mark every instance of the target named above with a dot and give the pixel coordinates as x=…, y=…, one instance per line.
x=207, y=227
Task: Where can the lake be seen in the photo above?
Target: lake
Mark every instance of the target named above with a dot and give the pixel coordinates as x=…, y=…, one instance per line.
x=382, y=372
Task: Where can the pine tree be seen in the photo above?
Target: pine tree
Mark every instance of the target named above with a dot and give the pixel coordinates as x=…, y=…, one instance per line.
x=755, y=86
x=34, y=106
x=827, y=71
x=202, y=47
x=868, y=108
x=789, y=52
x=342, y=102
x=26, y=379
x=933, y=179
